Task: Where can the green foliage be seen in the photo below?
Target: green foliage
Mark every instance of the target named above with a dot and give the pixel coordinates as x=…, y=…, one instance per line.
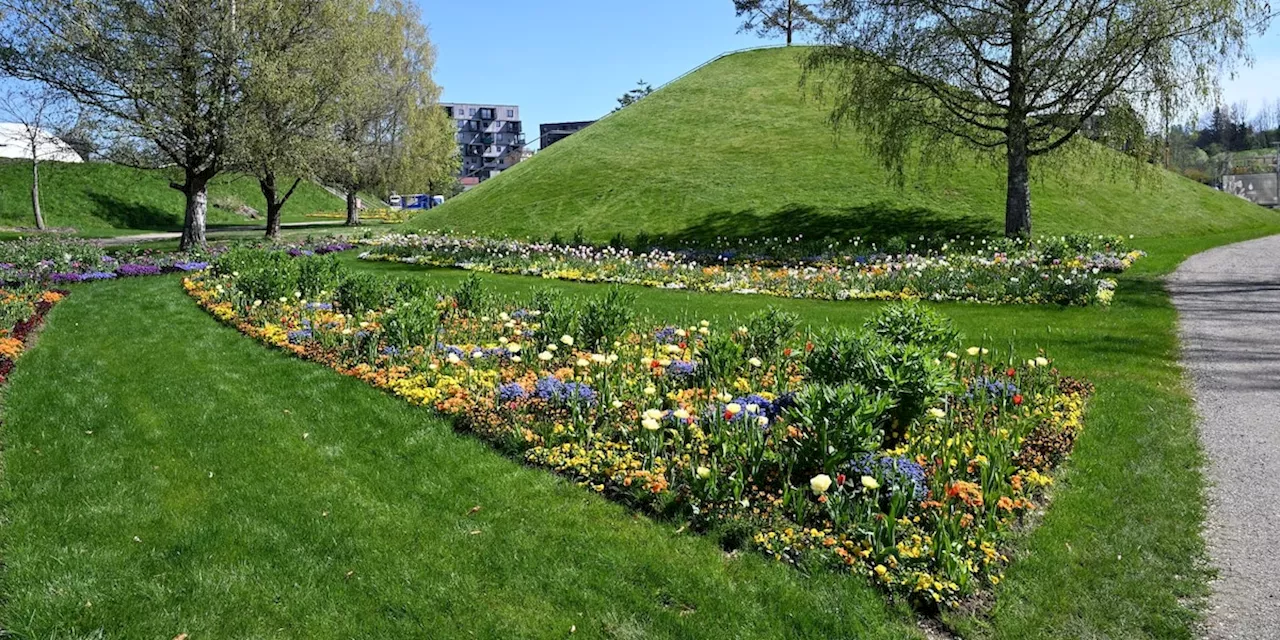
x=838, y=423
x=719, y=355
x=556, y=314
x=914, y=323
x=316, y=274
x=358, y=292
x=470, y=294
x=604, y=318
x=264, y=275
x=911, y=376
x=767, y=329
x=412, y=322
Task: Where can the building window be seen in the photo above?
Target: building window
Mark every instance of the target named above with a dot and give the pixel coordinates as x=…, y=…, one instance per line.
x=511, y=113
x=471, y=111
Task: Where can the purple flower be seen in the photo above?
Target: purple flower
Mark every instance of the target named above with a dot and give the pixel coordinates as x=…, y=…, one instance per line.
x=511, y=392
x=681, y=368
x=892, y=472
x=300, y=336
x=667, y=335
x=191, y=266
x=130, y=270
x=555, y=391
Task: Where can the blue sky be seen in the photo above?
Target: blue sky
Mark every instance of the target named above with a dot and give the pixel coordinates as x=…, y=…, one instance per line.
x=563, y=60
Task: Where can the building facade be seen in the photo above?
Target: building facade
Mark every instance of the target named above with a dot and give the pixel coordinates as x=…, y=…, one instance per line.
x=490, y=138
x=554, y=132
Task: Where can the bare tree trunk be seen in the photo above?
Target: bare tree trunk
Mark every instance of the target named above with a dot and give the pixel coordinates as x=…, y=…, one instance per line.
x=193, y=225
x=353, y=213
x=35, y=193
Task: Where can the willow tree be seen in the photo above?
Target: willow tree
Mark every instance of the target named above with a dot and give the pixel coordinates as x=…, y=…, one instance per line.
x=305, y=55
x=1020, y=77
x=164, y=74
x=391, y=131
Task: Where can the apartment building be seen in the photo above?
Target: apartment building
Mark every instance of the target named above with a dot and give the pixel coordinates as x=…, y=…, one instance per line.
x=490, y=138
x=554, y=132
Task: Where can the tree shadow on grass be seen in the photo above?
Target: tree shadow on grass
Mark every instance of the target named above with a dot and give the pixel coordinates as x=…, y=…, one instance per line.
x=875, y=222
x=122, y=214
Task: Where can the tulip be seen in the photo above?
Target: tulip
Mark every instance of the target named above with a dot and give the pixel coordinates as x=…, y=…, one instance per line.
x=545, y=356
x=650, y=424
x=870, y=483
x=820, y=483
x=733, y=408
x=704, y=473
x=567, y=339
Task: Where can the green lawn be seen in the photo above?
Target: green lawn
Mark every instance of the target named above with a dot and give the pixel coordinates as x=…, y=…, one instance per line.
x=737, y=149
x=102, y=199
x=334, y=510
x=1119, y=553
x=164, y=475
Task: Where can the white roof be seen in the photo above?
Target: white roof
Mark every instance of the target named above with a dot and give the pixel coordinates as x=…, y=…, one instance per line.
x=14, y=141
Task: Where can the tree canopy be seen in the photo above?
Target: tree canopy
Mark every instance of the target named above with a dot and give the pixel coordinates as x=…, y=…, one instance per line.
x=1020, y=77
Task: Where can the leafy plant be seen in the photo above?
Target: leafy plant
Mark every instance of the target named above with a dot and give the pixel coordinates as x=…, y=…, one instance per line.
x=913, y=323
x=605, y=318
x=767, y=330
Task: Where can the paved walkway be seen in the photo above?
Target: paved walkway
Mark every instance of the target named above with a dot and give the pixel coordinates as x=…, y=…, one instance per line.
x=214, y=231
x=1228, y=301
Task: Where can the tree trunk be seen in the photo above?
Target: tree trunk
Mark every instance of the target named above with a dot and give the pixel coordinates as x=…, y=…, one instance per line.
x=35, y=193
x=1017, y=206
x=790, y=20
x=269, y=193
x=353, y=213
x=197, y=196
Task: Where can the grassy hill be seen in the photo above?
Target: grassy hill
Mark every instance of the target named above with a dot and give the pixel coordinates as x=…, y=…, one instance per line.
x=736, y=148
x=108, y=199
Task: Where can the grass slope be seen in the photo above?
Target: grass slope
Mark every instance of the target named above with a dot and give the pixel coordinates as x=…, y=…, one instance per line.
x=736, y=149
x=164, y=475
x=102, y=199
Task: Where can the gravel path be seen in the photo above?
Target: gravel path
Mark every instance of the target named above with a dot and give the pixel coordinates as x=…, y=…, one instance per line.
x=1228, y=301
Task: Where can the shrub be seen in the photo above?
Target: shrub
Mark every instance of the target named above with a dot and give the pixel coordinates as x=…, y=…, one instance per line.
x=914, y=323
x=316, y=274
x=470, y=294
x=910, y=376
x=837, y=423
x=605, y=318
x=767, y=330
x=360, y=292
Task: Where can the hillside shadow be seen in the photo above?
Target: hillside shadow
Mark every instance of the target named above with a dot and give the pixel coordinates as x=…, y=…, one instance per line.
x=875, y=222
x=132, y=215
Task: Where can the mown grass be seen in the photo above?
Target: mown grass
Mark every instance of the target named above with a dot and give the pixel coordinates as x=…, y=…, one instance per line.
x=103, y=199
x=273, y=498
x=164, y=475
x=1119, y=553
x=738, y=149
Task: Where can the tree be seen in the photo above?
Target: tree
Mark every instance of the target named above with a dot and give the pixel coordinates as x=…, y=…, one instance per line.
x=1021, y=77
x=305, y=54
x=767, y=17
x=38, y=112
x=379, y=120
x=165, y=75
x=633, y=96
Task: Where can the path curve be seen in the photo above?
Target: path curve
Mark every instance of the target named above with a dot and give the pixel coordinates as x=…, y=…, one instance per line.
x=1228, y=302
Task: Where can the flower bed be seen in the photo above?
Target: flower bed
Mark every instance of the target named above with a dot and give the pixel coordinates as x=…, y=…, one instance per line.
x=69, y=260
x=885, y=451
x=22, y=311
x=1068, y=270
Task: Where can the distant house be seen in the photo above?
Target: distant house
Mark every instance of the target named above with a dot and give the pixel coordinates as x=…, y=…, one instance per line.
x=556, y=131
x=15, y=143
